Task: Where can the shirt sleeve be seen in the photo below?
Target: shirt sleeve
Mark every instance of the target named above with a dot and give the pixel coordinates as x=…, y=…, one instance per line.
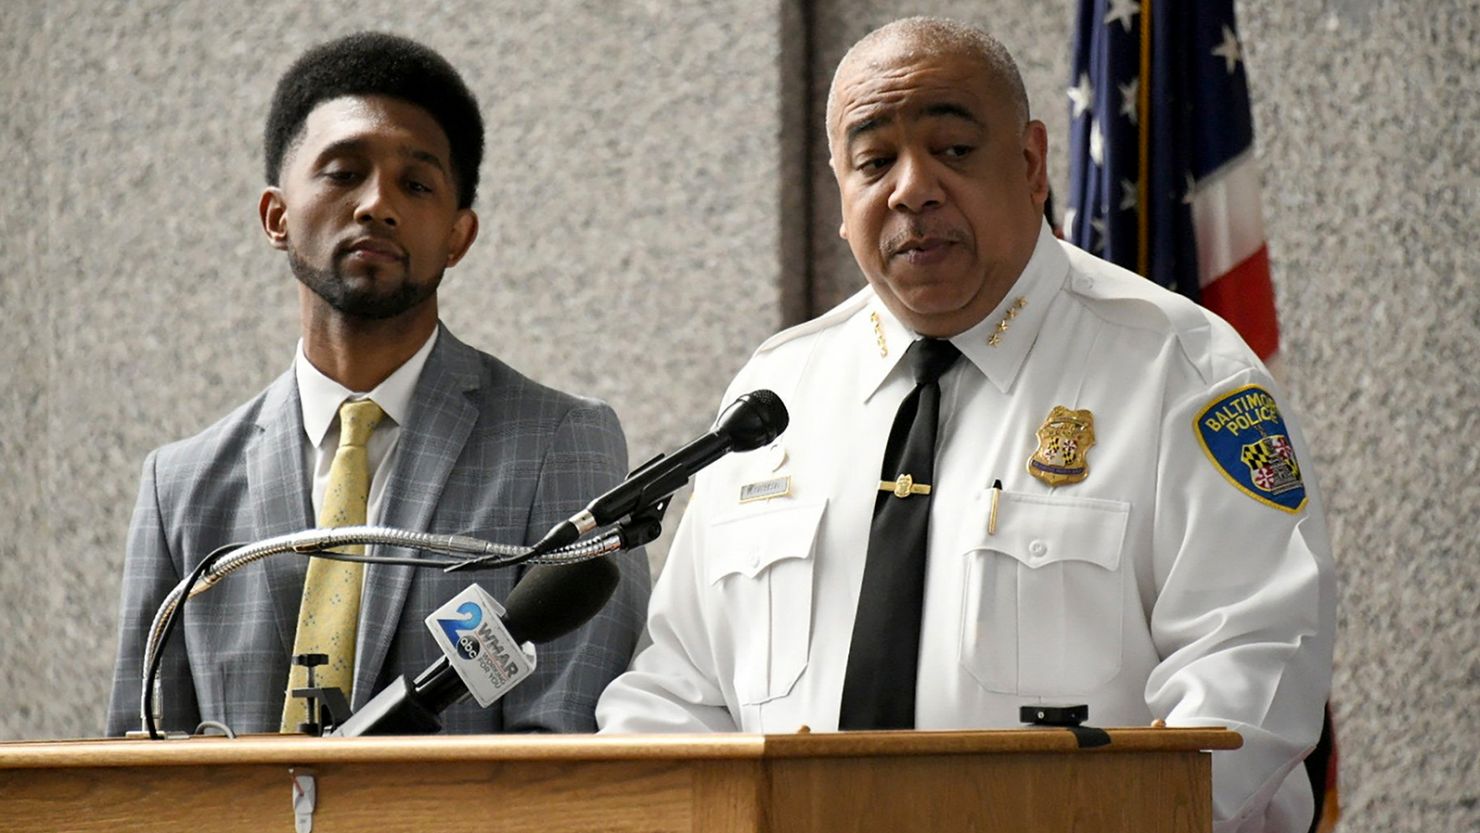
x=672, y=686
x=1244, y=615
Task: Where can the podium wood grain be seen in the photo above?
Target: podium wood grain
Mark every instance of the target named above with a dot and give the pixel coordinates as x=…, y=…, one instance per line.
x=1147, y=781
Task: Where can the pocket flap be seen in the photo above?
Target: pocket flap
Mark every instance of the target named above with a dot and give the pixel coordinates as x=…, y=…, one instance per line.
x=750, y=540
x=1046, y=529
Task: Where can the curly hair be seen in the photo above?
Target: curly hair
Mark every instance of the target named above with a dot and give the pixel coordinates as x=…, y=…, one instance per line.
x=375, y=63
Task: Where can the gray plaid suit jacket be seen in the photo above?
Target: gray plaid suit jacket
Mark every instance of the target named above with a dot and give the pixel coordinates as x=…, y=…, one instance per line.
x=486, y=452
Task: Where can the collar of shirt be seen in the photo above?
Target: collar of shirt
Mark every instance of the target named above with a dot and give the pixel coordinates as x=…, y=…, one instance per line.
x=1040, y=281
x=322, y=396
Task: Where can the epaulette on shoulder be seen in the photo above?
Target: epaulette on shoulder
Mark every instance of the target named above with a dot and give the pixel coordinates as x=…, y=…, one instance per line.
x=1121, y=296
x=833, y=317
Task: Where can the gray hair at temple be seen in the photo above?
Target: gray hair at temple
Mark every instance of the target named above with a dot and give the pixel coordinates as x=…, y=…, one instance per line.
x=920, y=36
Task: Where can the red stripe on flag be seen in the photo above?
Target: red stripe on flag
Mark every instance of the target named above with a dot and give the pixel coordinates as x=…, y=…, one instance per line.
x=1244, y=297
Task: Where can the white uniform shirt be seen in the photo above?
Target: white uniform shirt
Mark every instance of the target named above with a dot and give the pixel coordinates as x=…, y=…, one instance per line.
x=1155, y=588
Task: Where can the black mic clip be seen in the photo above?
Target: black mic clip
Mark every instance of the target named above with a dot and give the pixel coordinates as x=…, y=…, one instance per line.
x=645, y=523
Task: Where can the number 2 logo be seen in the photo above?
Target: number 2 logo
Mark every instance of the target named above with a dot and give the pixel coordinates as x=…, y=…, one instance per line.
x=472, y=616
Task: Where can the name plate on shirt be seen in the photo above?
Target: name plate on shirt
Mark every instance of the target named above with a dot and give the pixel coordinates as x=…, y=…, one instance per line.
x=765, y=489
x=471, y=633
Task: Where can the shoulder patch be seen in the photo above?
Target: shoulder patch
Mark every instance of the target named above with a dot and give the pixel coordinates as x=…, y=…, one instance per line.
x=1245, y=437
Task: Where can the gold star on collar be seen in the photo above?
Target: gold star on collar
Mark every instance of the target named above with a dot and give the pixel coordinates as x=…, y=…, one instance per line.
x=1012, y=311
x=879, y=334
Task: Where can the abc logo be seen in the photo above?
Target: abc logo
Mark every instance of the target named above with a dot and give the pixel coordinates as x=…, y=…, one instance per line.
x=468, y=647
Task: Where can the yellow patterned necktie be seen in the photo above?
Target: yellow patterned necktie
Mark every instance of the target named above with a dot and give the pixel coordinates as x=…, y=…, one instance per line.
x=330, y=611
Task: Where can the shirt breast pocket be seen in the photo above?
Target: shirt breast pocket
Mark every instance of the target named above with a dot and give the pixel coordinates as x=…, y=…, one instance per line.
x=1044, y=599
x=760, y=561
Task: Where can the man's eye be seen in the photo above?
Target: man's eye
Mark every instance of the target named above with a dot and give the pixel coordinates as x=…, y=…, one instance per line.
x=874, y=164
x=339, y=175
x=419, y=187
x=958, y=151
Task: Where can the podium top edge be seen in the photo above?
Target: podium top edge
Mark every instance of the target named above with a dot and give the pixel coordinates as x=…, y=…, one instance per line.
x=1016, y=741
x=293, y=750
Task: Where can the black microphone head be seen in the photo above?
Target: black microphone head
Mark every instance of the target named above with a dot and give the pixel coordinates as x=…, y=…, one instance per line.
x=753, y=420
x=553, y=600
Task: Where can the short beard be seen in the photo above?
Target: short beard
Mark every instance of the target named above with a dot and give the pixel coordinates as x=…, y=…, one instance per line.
x=365, y=304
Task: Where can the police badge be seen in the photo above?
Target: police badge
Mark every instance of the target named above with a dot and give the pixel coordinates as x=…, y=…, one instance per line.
x=1064, y=439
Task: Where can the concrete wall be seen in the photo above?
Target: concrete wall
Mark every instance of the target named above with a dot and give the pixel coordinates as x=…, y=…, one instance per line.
x=648, y=218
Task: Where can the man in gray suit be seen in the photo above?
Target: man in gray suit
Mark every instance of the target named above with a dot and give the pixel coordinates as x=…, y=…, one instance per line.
x=373, y=145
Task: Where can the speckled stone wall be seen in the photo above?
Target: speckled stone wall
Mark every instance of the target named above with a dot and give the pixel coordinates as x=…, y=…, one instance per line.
x=25, y=526
x=646, y=222
x=1368, y=118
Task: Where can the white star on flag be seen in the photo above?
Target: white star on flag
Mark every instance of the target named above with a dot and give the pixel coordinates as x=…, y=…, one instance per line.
x=1229, y=50
x=1098, y=225
x=1130, y=98
x=1082, y=95
x=1096, y=142
x=1127, y=194
x=1123, y=11
x=1069, y=215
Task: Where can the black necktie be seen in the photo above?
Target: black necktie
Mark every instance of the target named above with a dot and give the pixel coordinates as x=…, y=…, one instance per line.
x=883, y=659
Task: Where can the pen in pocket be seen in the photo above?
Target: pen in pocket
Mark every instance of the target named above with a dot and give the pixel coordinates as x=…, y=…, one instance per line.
x=992, y=516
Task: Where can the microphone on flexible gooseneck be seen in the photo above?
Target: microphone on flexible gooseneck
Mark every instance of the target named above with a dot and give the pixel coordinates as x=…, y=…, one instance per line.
x=751, y=421
x=549, y=602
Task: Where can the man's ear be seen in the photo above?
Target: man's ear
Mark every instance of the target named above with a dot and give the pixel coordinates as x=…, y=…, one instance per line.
x=464, y=232
x=1035, y=154
x=273, y=212
x=843, y=225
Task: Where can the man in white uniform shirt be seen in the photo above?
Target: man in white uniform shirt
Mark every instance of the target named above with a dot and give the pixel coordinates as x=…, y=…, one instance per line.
x=1118, y=513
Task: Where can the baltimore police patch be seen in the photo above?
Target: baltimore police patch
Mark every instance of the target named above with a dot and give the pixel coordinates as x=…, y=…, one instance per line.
x=1246, y=438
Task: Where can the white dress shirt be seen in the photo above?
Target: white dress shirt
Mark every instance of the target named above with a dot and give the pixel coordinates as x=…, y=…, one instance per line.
x=321, y=398
x=1154, y=588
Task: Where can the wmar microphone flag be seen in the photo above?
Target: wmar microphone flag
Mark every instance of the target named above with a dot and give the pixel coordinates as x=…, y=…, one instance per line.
x=1162, y=175
x=479, y=646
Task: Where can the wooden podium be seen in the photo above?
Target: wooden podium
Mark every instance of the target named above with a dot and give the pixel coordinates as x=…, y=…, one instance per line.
x=1145, y=781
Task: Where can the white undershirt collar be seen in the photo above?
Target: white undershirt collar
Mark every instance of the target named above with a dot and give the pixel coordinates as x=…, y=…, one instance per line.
x=322, y=396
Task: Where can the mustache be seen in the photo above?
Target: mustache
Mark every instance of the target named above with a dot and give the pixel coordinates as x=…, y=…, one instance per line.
x=919, y=230
x=345, y=246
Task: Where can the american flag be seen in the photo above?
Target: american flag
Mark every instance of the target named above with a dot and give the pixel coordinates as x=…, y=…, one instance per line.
x=1162, y=174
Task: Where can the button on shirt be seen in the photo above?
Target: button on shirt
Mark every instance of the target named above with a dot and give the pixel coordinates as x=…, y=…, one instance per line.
x=321, y=397
x=1152, y=589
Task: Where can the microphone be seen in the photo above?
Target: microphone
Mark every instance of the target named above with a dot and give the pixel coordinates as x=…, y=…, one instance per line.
x=549, y=602
x=750, y=422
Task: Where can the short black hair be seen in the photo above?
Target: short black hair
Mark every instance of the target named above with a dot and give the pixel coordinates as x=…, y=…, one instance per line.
x=919, y=36
x=375, y=63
